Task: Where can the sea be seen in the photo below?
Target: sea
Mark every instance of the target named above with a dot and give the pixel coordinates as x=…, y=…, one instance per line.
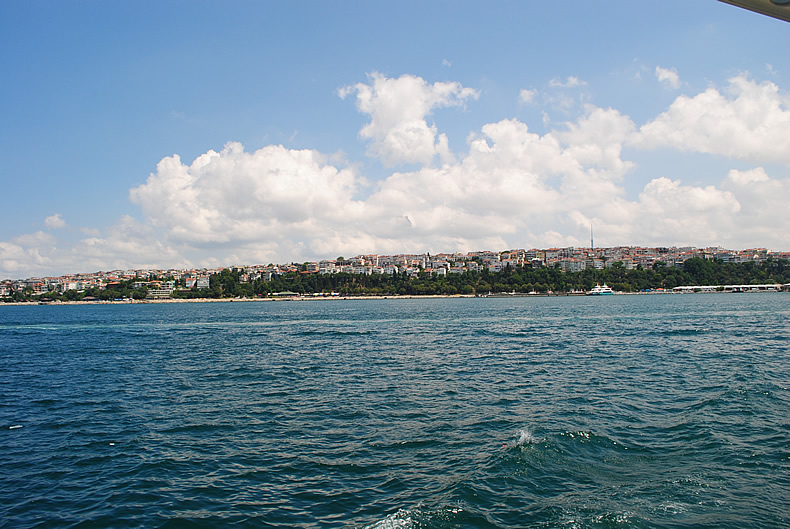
x=626, y=411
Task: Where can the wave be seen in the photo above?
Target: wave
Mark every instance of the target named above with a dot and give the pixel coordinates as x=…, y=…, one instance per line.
x=525, y=438
x=421, y=516
x=198, y=428
x=565, y=442
x=399, y=520
x=334, y=332
x=680, y=331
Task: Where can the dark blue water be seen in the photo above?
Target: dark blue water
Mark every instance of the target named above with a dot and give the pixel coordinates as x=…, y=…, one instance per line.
x=617, y=412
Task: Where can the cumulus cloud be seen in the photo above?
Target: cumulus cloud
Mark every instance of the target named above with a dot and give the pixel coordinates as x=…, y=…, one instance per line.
x=747, y=121
x=510, y=187
x=504, y=171
x=278, y=202
x=54, y=221
x=398, y=107
x=234, y=197
x=596, y=140
x=126, y=244
x=672, y=210
x=28, y=253
x=669, y=77
x=763, y=202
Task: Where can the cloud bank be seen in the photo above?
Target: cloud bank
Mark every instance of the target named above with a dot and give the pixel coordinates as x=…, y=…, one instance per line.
x=507, y=187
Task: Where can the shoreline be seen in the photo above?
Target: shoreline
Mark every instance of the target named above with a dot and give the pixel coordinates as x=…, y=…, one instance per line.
x=349, y=298
x=236, y=300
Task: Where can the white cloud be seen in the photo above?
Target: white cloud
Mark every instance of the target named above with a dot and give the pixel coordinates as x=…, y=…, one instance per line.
x=597, y=138
x=127, y=244
x=749, y=121
x=277, y=203
x=512, y=187
x=676, y=212
x=233, y=196
x=669, y=77
x=763, y=200
x=398, y=130
x=570, y=82
x=562, y=99
x=475, y=200
x=54, y=221
x=527, y=96
x=28, y=254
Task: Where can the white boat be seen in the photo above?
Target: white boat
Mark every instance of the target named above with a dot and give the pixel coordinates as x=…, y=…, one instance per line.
x=601, y=290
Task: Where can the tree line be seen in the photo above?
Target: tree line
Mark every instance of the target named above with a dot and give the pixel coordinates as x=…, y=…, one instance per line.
x=695, y=271
x=228, y=283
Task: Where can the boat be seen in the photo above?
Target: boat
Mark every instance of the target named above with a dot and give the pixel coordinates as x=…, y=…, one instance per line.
x=601, y=290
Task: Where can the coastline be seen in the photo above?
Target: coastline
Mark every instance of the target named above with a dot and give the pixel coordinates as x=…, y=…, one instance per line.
x=341, y=298
x=239, y=300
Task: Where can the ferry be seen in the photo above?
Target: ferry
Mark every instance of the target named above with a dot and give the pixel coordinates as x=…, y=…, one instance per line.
x=601, y=290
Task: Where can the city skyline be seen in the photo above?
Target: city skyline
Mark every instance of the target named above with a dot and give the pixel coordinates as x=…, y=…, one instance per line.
x=587, y=257
x=165, y=134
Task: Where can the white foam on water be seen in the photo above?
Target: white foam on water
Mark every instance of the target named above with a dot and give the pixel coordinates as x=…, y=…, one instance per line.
x=525, y=438
x=671, y=507
x=399, y=520
x=15, y=427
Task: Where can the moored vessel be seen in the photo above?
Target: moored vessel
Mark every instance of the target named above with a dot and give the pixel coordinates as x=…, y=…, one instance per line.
x=601, y=290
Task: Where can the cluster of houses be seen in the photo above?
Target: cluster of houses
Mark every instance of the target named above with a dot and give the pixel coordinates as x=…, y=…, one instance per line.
x=157, y=287
x=161, y=283
x=567, y=259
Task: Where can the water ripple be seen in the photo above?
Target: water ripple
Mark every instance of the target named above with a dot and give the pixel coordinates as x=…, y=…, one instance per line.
x=632, y=412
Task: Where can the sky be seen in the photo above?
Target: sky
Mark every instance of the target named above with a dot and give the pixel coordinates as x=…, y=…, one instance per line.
x=195, y=133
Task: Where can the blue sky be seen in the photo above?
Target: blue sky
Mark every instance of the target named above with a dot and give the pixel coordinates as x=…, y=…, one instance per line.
x=184, y=133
